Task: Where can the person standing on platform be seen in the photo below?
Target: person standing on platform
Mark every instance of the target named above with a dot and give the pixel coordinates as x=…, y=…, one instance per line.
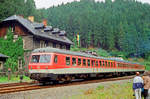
x=137, y=85
x=146, y=80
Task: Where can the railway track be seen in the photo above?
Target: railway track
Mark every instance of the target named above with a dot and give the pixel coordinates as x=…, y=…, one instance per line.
x=17, y=87
x=17, y=84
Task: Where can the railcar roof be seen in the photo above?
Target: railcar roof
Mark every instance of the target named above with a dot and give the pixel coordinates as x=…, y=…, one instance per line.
x=62, y=51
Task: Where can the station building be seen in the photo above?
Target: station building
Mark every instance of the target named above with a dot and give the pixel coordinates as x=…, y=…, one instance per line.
x=34, y=34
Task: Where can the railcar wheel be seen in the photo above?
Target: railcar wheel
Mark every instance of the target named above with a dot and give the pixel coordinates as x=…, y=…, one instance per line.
x=55, y=82
x=42, y=83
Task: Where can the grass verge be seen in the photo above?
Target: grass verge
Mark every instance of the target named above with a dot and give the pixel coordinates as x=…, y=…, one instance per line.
x=4, y=79
x=112, y=91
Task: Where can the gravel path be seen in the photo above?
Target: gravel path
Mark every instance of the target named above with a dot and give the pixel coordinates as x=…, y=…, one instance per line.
x=58, y=92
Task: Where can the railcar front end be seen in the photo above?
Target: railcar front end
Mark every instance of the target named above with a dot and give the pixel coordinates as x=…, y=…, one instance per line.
x=39, y=66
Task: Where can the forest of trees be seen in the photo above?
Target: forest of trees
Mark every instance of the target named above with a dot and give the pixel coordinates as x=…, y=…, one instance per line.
x=19, y=7
x=122, y=25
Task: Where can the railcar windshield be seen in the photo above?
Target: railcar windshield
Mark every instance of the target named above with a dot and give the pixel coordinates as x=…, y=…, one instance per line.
x=40, y=58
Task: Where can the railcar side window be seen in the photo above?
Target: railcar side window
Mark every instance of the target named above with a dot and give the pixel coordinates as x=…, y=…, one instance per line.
x=55, y=59
x=125, y=65
x=74, y=62
x=128, y=65
x=103, y=62
x=106, y=63
x=84, y=62
x=79, y=61
x=118, y=64
x=100, y=63
x=67, y=60
x=96, y=63
x=93, y=63
x=88, y=62
x=112, y=64
x=122, y=65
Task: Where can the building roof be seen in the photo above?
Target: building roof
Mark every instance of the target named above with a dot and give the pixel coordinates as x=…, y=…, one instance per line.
x=3, y=56
x=37, y=29
x=62, y=51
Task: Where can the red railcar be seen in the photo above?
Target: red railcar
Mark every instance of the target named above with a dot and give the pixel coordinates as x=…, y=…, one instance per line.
x=51, y=64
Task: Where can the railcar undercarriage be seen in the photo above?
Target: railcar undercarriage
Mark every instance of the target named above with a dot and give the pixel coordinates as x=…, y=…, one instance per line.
x=47, y=77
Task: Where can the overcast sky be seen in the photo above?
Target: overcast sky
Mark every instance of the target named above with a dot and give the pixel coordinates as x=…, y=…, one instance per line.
x=49, y=3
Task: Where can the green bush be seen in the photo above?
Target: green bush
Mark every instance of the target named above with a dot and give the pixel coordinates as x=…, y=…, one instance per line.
x=147, y=65
x=102, y=52
x=13, y=49
x=118, y=54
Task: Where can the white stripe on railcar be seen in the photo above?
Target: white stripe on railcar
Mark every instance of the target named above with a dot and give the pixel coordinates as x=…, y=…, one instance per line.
x=80, y=70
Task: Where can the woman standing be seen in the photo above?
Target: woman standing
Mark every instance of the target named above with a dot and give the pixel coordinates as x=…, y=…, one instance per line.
x=146, y=79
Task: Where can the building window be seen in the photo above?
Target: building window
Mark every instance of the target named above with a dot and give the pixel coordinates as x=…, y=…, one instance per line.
x=74, y=62
x=67, y=47
x=23, y=43
x=42, y=44
x=46, y=43
x=57, y=45
x=15, y=37
x=55, y=59
x=50, y=44
x=67, y=60
x=1, y=65
x=5, y=37
x=54, y=45
x=13, y=28
x=63, y=47
x=19, y=63
x=60, y=46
